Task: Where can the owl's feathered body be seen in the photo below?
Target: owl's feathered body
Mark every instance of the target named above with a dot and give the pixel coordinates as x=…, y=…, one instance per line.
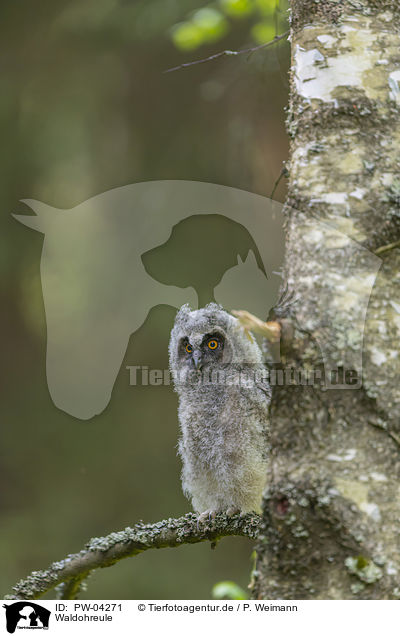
x=224, y=397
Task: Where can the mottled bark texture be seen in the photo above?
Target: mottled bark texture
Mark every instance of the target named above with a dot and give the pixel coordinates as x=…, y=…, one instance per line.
x=331, y=526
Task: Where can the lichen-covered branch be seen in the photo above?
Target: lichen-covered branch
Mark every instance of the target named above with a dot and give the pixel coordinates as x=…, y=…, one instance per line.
x=101, y=552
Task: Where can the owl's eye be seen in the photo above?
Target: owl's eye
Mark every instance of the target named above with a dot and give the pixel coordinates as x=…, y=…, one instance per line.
x=212, y=344
x=189, y=348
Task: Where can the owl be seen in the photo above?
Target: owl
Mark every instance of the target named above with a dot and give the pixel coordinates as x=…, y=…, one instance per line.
x=224, y=395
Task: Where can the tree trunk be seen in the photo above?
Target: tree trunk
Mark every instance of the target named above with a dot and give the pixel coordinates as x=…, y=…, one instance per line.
x=332, y=509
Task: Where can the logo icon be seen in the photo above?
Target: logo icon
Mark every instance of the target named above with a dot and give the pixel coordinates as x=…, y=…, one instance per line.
x=26, y=615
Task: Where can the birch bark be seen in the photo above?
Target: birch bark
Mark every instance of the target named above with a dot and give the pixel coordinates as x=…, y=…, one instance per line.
x=332, y=510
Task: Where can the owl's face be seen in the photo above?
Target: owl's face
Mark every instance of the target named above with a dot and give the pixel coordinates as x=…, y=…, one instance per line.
x=208, y=339
x=200, y=350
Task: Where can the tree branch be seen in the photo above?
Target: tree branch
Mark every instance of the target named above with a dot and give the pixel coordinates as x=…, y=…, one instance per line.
x=386, y=248
x=228, y=53
x=383, y=427
x=70, y=589
x=102, y=552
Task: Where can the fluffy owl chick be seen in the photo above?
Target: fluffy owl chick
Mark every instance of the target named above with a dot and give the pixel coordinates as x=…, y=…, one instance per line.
x=224, y=396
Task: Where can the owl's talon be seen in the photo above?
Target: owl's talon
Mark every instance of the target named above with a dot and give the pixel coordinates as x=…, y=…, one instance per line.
x=206, y=517
x=233, y=510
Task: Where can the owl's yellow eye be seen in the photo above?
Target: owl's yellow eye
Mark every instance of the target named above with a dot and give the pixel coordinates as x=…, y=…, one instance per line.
x=212, y=344
x=189, y=348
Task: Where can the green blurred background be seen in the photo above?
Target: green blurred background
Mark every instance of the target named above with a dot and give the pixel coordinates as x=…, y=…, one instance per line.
x=85, y=107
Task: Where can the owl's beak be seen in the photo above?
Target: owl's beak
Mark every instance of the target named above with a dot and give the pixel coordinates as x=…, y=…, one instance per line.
x=197, y=360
